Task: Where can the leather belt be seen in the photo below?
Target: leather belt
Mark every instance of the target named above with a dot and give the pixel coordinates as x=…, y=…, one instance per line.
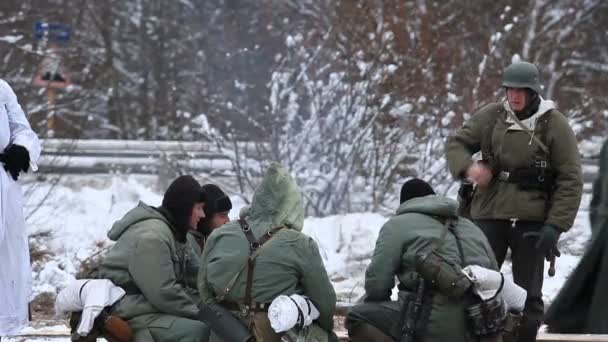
x=504, y=176
x=254, y=307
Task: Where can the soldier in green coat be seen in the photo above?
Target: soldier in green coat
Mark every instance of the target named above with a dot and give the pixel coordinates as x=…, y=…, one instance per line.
x=416, y=229
x=288, y=263
x=217, y=208
x=529, y=181
x=154, y=263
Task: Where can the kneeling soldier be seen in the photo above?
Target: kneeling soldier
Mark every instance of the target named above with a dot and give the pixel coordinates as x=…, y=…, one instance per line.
x=248, y=263
x=424, y=230
x=157, y=267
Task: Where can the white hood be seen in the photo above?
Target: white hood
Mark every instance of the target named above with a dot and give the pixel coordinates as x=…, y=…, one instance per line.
x=530, y=123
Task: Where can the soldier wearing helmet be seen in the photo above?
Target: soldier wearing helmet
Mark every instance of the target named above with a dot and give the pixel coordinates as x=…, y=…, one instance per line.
x=528, y=184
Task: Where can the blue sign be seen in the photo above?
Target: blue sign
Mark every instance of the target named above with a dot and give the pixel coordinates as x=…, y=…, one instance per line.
x=54, y=32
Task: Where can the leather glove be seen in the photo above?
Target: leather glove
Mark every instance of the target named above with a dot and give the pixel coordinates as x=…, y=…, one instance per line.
x=547, y=241
x=15, y=158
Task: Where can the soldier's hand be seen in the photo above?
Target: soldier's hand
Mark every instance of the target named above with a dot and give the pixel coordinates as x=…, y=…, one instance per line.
x=15, y=159
x=547, y=240
x=479, y=173
x=553, y=253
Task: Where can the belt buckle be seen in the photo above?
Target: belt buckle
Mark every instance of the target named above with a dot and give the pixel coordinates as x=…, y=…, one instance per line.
x=504, y=176
x=244, y=310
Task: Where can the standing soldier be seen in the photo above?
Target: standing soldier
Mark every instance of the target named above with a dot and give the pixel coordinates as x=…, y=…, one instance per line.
x=529, y=181
x=19, y=151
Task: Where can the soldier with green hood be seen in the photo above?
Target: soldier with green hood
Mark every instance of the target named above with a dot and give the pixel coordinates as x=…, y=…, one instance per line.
x=157, y=267
x=417, y=229
x=287, y=263
x=528, y=183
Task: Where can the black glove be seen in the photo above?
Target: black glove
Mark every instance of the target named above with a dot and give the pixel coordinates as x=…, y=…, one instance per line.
x=547, y=241
x=15, y=158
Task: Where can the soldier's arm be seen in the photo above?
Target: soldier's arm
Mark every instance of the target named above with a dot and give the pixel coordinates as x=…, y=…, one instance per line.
x=565, y=159
x=21, y=132
x=151, y=267
x=386, y=261
x=466, y=141
x=598, y=185
x=316, y=284
x=204, y=291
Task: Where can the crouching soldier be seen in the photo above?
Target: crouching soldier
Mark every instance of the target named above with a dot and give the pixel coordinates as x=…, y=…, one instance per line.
x=217, y=207
x=424, y=238
x=153, y=262
x=250, y=262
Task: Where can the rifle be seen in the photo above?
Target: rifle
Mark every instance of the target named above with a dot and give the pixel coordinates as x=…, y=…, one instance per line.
x=410, y=314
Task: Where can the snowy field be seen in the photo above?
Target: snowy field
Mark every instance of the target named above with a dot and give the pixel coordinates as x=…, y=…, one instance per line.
x=79, y=211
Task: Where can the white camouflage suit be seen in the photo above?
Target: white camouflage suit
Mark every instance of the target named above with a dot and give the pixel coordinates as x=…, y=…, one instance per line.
x=15, y=272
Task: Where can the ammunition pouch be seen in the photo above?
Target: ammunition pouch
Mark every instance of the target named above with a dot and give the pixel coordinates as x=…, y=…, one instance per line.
x=442, y=276
x=536, y=177
x=512, y=322
x=224, y=324
x=488, y=317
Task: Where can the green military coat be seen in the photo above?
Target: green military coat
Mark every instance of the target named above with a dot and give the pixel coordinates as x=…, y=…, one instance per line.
x=159, y=274
x=514, y=148
x=289, y=263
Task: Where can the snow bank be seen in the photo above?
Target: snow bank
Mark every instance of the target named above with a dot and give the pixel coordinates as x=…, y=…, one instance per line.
x=80, y=210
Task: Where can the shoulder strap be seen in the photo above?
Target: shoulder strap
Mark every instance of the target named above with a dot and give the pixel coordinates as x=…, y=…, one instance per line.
x=543, y=131
x=530, y=133
x=254, y=246
x=449, y=223
x=486, y=141
x=254, y=249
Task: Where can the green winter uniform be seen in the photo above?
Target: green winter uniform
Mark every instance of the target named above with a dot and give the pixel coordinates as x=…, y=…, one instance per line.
x=158, y=272
x=513, y=148
x=289, y=263
x=197, y=241
x=511, y=212
x=416, y=229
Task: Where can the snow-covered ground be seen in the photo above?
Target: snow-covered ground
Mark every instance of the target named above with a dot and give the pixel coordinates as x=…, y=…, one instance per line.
x=79, y=210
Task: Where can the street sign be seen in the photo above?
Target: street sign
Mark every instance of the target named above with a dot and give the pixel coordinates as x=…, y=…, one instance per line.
x=52, y=32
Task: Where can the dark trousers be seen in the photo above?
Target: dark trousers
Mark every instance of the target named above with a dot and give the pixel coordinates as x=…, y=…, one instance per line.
x=528, y=265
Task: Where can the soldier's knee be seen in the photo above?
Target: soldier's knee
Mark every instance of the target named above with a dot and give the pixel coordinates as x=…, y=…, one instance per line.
x=367, y=332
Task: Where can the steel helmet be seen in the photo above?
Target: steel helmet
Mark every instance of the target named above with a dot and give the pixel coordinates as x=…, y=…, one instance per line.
x=521, y=75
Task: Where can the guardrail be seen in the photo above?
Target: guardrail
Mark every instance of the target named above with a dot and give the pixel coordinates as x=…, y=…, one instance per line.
x=139, y=157
x=149, y=157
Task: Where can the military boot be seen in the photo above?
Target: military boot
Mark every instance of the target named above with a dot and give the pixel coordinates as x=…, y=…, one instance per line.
x=368, y=333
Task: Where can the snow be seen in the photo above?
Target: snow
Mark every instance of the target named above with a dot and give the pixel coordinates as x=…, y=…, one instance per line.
x=80, y=210
x=11, y=39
